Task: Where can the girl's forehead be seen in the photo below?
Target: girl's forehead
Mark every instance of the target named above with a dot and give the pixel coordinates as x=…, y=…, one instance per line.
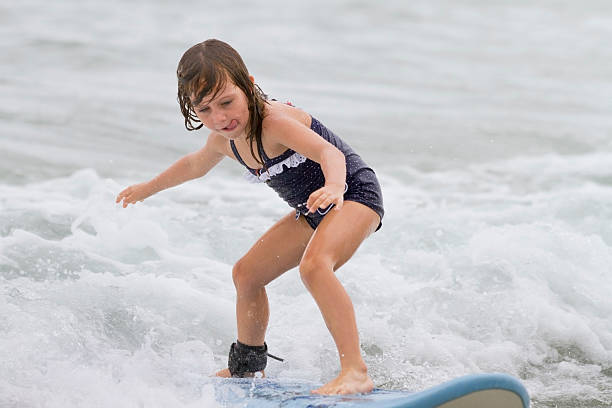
x=226, y=89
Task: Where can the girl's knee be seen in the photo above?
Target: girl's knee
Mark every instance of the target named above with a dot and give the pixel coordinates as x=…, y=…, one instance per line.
x=313, y=265
x=237, y=273
x=244, y=277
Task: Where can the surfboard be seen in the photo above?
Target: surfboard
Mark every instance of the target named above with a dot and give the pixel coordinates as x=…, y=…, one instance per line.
x=472, y=391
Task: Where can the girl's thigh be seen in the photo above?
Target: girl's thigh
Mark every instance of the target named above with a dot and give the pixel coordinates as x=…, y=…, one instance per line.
x=341, y=232
x=278, y=250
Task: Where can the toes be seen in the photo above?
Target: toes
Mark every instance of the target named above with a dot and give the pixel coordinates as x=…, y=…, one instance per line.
x=225, y=373
x=330, y=390
x=324, y=390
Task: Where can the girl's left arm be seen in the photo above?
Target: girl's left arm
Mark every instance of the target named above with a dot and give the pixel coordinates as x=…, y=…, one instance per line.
x=296, y=136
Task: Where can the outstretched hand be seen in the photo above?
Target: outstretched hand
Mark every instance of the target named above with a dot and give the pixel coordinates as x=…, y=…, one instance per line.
x=325, y=196
x=134, y=193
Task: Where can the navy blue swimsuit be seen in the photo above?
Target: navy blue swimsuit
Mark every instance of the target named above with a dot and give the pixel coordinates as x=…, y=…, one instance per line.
x=294, y=177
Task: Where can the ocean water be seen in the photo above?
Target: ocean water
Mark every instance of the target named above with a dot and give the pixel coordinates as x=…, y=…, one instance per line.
x=489, y=125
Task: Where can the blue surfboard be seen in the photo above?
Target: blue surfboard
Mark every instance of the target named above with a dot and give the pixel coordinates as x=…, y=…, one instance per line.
x=472, y=391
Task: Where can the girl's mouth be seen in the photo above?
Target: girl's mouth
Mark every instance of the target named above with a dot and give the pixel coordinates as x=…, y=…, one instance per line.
x=233, y=124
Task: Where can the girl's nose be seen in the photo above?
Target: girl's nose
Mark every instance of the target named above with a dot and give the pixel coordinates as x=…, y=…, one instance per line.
x=219, y=119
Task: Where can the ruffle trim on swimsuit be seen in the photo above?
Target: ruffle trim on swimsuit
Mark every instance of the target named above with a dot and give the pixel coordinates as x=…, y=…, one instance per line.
x=292, y=161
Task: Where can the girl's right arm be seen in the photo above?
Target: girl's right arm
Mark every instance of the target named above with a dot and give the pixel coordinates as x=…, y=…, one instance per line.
x=189, y=167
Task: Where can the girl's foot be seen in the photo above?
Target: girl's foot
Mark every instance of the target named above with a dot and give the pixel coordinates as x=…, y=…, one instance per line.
x=348, y=382
x=225, y=373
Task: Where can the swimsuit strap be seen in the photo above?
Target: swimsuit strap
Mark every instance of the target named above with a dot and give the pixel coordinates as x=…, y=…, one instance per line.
x=260, y=150
x=233, y=146
x=263, y=154
x=256, y=172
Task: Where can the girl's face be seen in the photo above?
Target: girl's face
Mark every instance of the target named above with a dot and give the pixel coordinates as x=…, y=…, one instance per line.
x=227, y=113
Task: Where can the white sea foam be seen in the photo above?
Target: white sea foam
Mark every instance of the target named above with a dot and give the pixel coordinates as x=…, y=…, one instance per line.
x=487, y=123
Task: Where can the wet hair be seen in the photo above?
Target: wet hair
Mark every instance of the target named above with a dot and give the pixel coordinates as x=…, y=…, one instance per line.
x=203, y=71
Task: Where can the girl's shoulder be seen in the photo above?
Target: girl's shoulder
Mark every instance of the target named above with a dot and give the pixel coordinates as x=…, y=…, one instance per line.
x=278, y=113
x=219, y=144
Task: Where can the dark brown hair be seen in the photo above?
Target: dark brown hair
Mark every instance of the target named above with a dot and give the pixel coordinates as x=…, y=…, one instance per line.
x=203, y=70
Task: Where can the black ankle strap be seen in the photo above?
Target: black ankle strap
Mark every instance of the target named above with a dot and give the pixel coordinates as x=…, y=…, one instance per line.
x=248, y=359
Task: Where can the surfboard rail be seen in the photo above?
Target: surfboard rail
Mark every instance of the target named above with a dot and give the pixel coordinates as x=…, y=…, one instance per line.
x=494, y=390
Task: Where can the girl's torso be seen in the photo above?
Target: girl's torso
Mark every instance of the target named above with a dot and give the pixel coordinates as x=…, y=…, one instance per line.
x=294, y=177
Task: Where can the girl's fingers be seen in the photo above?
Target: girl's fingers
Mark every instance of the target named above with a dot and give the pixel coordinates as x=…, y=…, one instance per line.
x=123, y=197
x=324, y=202
x=317, y=203
x=312, y=200
x=127, y=196
x=323, y=198
x=339, y=203
x=122, y=194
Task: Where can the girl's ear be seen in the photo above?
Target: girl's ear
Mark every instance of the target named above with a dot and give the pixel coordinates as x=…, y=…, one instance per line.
x=252, y=78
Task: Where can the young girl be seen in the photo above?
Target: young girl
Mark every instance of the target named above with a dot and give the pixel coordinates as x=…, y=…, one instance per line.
x=311, y=168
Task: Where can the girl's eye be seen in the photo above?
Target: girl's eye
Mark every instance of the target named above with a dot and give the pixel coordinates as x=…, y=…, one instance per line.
x=226, y=103
x=204, y=110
